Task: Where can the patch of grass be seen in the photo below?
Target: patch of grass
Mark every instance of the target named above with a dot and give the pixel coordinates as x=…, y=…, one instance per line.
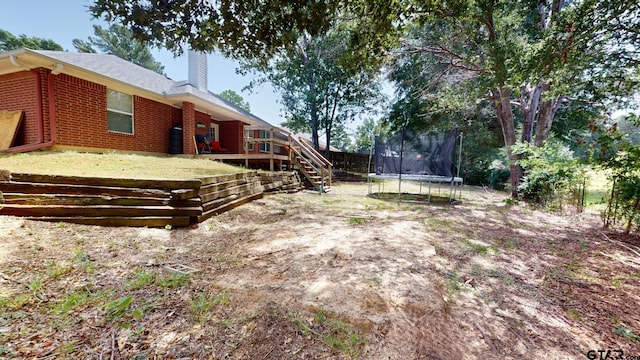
x=617, y=283
x=175, y=280
x=81, y=259
x=507, y=244
x=56, y=271
x=15, y=302
x=453, y=284
x=115, y=165
x=479, y=249
x=202, y=304
x=141, y=278
x=354, y=221
x=627, y=333
x=120, y=307
x=574, y=314
x=74, y=300
x=339, y=335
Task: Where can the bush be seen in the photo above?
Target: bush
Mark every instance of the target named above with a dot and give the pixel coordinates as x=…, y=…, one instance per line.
x=551, y=173
x=614, y=151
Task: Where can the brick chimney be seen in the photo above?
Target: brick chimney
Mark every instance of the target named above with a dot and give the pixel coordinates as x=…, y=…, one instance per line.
x=198, y=69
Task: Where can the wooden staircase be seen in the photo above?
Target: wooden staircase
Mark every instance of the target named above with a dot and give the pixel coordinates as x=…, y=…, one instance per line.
x=312, y=166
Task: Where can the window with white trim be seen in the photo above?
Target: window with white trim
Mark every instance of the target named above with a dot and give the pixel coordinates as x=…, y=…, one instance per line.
x=265, y=147
x=119, y=112
x=249, y=134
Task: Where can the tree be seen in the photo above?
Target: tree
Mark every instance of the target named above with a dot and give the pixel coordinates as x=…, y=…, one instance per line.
x=8, y=41
x=236, y=99
x=317, y=90
x=533, y=54
x=365, y=133
x=119, y=41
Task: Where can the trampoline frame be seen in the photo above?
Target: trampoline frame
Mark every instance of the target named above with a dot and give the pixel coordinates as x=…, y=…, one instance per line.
x=455, y=182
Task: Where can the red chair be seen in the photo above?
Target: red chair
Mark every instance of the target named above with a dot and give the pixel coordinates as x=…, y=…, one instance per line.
x=215, y=146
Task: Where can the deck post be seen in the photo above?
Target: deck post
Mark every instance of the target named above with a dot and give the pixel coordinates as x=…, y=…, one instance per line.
x=271, y=149
x=245, y=139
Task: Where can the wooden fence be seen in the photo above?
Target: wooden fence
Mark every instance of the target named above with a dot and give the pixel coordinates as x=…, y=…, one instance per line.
x=133, y=202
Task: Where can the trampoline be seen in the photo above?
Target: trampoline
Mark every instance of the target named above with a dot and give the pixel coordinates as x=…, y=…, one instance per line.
x=418, y=158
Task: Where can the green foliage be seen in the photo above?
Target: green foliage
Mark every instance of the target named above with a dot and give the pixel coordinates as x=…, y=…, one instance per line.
x=8, y=42
x=118, y=307
x=236, y=99
x=204, y=303
x=617, y=154
x=119, y=41
x=175, y=280
x=339, y=335
x=551, y=172
x=318, y=87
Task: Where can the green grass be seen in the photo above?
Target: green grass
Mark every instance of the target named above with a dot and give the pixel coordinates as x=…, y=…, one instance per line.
x=338, y=334
x=76, y=299
x=597, y=191
x=116, y=165
x=204, y=303
x=141, y=279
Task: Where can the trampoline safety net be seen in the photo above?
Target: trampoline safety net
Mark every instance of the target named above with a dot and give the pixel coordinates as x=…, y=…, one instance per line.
x=408, y=152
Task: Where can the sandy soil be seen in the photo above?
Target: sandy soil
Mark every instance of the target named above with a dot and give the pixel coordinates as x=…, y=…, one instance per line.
x=340, y=275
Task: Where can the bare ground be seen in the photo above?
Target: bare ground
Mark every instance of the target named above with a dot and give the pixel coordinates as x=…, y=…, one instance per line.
x=340, y=275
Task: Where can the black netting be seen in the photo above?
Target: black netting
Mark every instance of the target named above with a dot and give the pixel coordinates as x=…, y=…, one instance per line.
x=419, y=154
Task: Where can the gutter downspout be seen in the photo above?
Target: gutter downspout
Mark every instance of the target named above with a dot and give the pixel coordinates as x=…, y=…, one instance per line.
x=52, y=113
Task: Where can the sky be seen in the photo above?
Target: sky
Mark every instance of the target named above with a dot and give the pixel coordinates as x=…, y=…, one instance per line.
x=65, y=20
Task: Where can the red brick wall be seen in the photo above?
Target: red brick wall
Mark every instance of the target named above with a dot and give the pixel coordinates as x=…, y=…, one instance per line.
x=18, y=92
x=188, y=128
x=81, y=118
x=202, y=118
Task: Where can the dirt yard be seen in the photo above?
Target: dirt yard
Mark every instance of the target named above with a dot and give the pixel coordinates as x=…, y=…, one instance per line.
x=340, y=275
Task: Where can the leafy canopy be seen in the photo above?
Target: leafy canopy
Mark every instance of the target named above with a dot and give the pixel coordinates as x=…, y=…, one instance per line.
x=119, y=41
x=236, y=99
x=8, y=42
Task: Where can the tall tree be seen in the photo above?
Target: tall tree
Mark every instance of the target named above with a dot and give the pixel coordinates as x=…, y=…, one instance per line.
x=119, y=41
x=8, y=41
x=317, y=90
x=236, y=99
x=538, y=52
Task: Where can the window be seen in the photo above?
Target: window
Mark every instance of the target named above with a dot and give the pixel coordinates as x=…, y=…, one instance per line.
x=119, y=112
x=249, y=135
x=264, y=147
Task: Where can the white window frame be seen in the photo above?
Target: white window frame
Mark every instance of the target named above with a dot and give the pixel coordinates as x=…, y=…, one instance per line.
x=121, y=112
x=249, y=136
x=216, y=131
x=265, y=147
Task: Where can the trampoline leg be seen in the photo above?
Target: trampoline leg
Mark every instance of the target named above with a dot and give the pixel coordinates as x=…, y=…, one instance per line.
x=429, y=196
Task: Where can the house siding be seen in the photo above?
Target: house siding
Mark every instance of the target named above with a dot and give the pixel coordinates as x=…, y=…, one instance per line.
x=231, y=136
x=81, y=118
x=18, y=91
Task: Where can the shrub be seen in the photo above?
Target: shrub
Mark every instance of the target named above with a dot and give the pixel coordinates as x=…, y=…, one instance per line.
x=614, y=151
x=551, y=173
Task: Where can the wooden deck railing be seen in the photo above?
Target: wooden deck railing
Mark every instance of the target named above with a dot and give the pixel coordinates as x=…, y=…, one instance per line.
x=296, y=148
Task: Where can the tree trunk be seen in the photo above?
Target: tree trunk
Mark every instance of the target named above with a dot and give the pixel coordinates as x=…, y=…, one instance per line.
x=504, y=113
x=311, y=96
x=327, y=149
x=547, y=111
x=529, y=108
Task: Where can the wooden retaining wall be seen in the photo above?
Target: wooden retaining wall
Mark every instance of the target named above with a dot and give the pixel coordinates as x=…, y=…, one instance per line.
x=133, y=202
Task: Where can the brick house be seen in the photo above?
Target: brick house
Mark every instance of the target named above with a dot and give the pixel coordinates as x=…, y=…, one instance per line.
x=100, y=102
